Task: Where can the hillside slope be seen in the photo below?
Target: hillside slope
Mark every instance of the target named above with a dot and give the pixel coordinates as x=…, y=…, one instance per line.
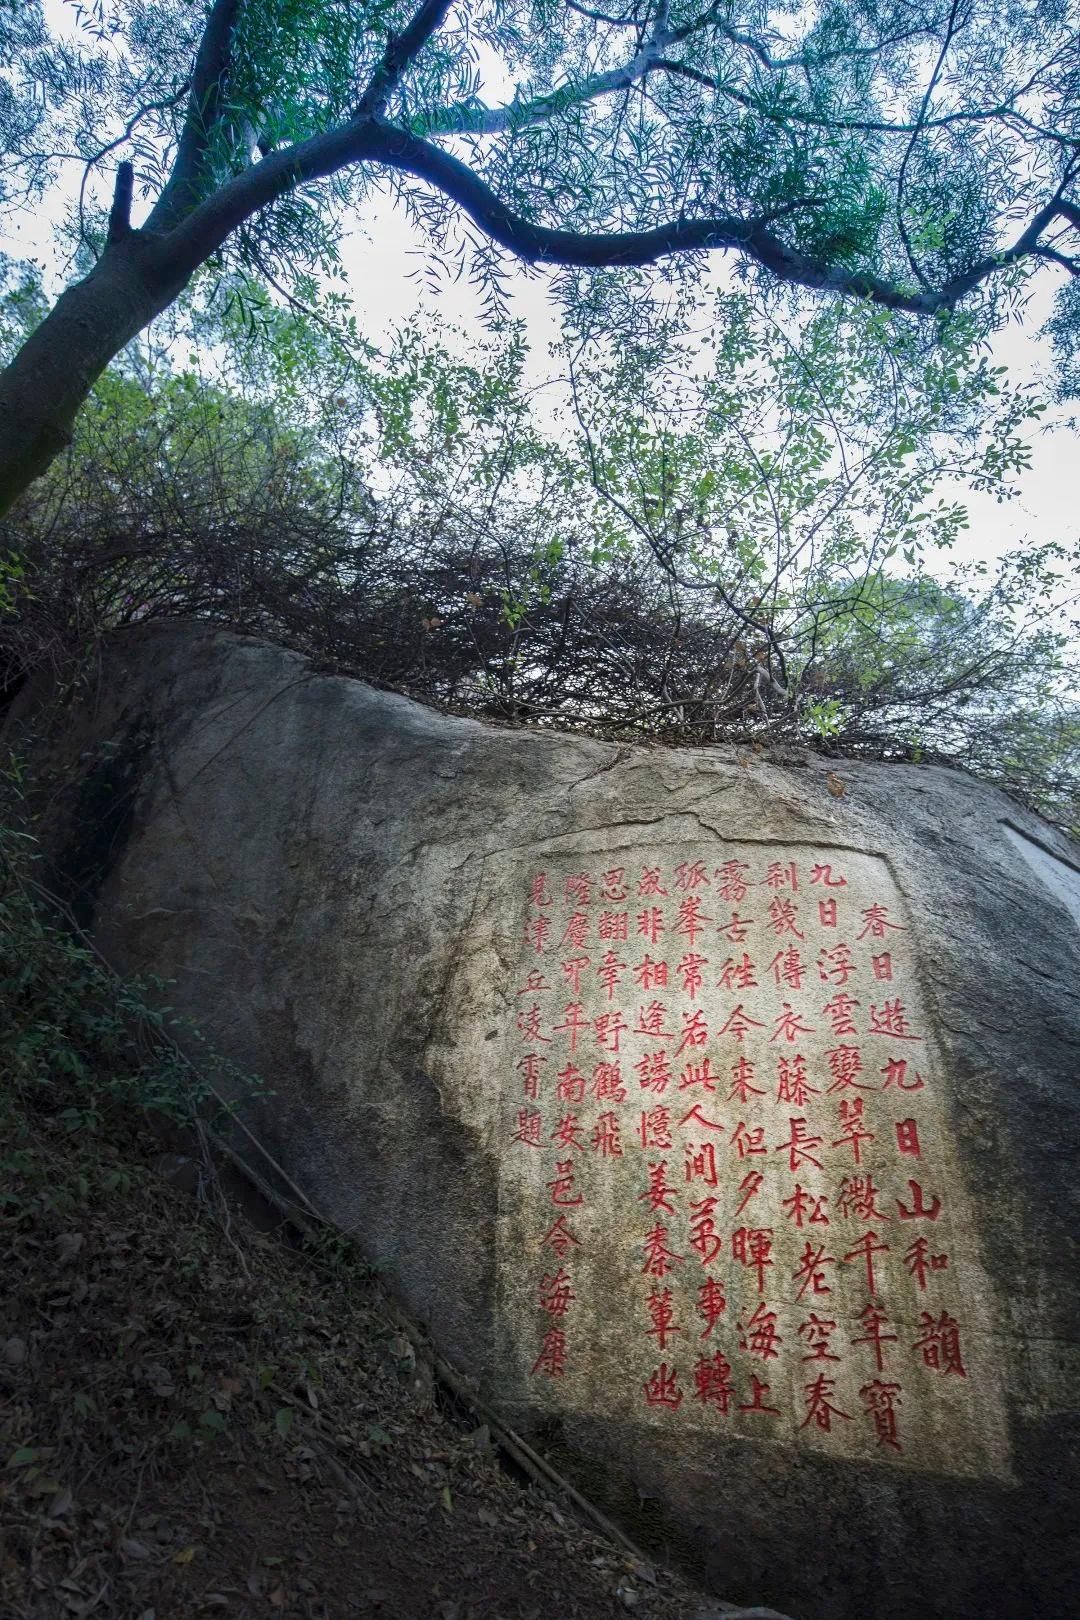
x=198, y=1418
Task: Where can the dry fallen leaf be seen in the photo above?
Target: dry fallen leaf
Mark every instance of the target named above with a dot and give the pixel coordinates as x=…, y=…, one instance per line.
x=835, y=786
x=185, y=1556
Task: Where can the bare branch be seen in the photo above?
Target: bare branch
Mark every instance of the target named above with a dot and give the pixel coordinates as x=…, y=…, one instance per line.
x=120, y=213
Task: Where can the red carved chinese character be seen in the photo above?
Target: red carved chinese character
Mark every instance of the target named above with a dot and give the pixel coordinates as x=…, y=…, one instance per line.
x=907, y=1138
x=649, y=881
x=809, y=1273
x=691, y=875
x=756, y=1404
x=749, y=1186
x=839, y=1013
x=873, y=1320
x=661, y=1316
x=852, y=1133
x=537, y=931
x=747, y=1139
x=881, y=1401
x=737, y=975
x=605, y=1138
x=742, y=1074
x=662, y=1389
x=787, y=967
x=779, y=876
x=817, y=1331
x=845, y=1062
x=562, y=1188
x=610, y=971
x=528, y=1129
x=576, y=932
x=857, y=1199
x=567, y=1133
x=712, y=1381
x=690, y=967
x=534, y=982
x=653, y=1071
x=658, y=1194
x=552, y=1357
x=650, y=1021
x=659, y=1259
x=650, y=924
x=695, y=1031
x=920, y=1262
x=698, y=1118
x=571, y=1085
x=538, y=891
x=867, y=1247
x=798, y=1145
x=752, y=1247
x=703, y=1234
x=651, y=975
x=701, y=1163
x=819, y=1408
x=574, y=1021
x=560, y=1238
x=940, y=1343
x=823, y=874
x=613, y=884
x=738, y=1023
x=895, y=1072
x=784, y=918
x=759, y=1335
x=736, y=929
x=919, y=1209
x=613, y=925
x=556, y=1294
x=692, y=919
x=835, y=966
x=573, y=968
x=793, y=1086
x=656, y=1128
x=578, y=889
x=610, y=1027
x=826, y=910
x=805, y=1206
x=607, y=1083
x=530, y=1074
x=875, y=922
x=892, y=1020
x=882, y=965
x=699, y=1074
x=528, y=1023
x=731, y=881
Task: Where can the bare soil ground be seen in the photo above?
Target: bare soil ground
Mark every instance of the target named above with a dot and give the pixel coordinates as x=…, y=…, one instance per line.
x=199, y=1419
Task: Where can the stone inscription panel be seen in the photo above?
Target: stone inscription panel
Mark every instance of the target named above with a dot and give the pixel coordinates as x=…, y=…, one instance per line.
x=728, y=1196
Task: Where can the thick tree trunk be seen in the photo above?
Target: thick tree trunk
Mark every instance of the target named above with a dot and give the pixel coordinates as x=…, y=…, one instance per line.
x=49, y=379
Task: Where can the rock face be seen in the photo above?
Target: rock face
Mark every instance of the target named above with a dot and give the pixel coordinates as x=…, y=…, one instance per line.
x=718, y=1116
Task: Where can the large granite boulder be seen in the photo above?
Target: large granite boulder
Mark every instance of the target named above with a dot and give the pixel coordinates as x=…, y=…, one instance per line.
x=717, y=1114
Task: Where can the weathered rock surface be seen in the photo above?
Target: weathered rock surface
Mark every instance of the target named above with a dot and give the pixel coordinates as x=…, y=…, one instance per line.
x=824, y=1354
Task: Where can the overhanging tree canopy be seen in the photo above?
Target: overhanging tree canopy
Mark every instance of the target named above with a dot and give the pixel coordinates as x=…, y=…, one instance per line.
x=917, y=153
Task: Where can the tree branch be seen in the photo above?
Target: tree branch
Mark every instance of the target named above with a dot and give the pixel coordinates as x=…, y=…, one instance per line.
x=204, y=106
x=120, y=212
x=401, y=50
x=371, y=141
